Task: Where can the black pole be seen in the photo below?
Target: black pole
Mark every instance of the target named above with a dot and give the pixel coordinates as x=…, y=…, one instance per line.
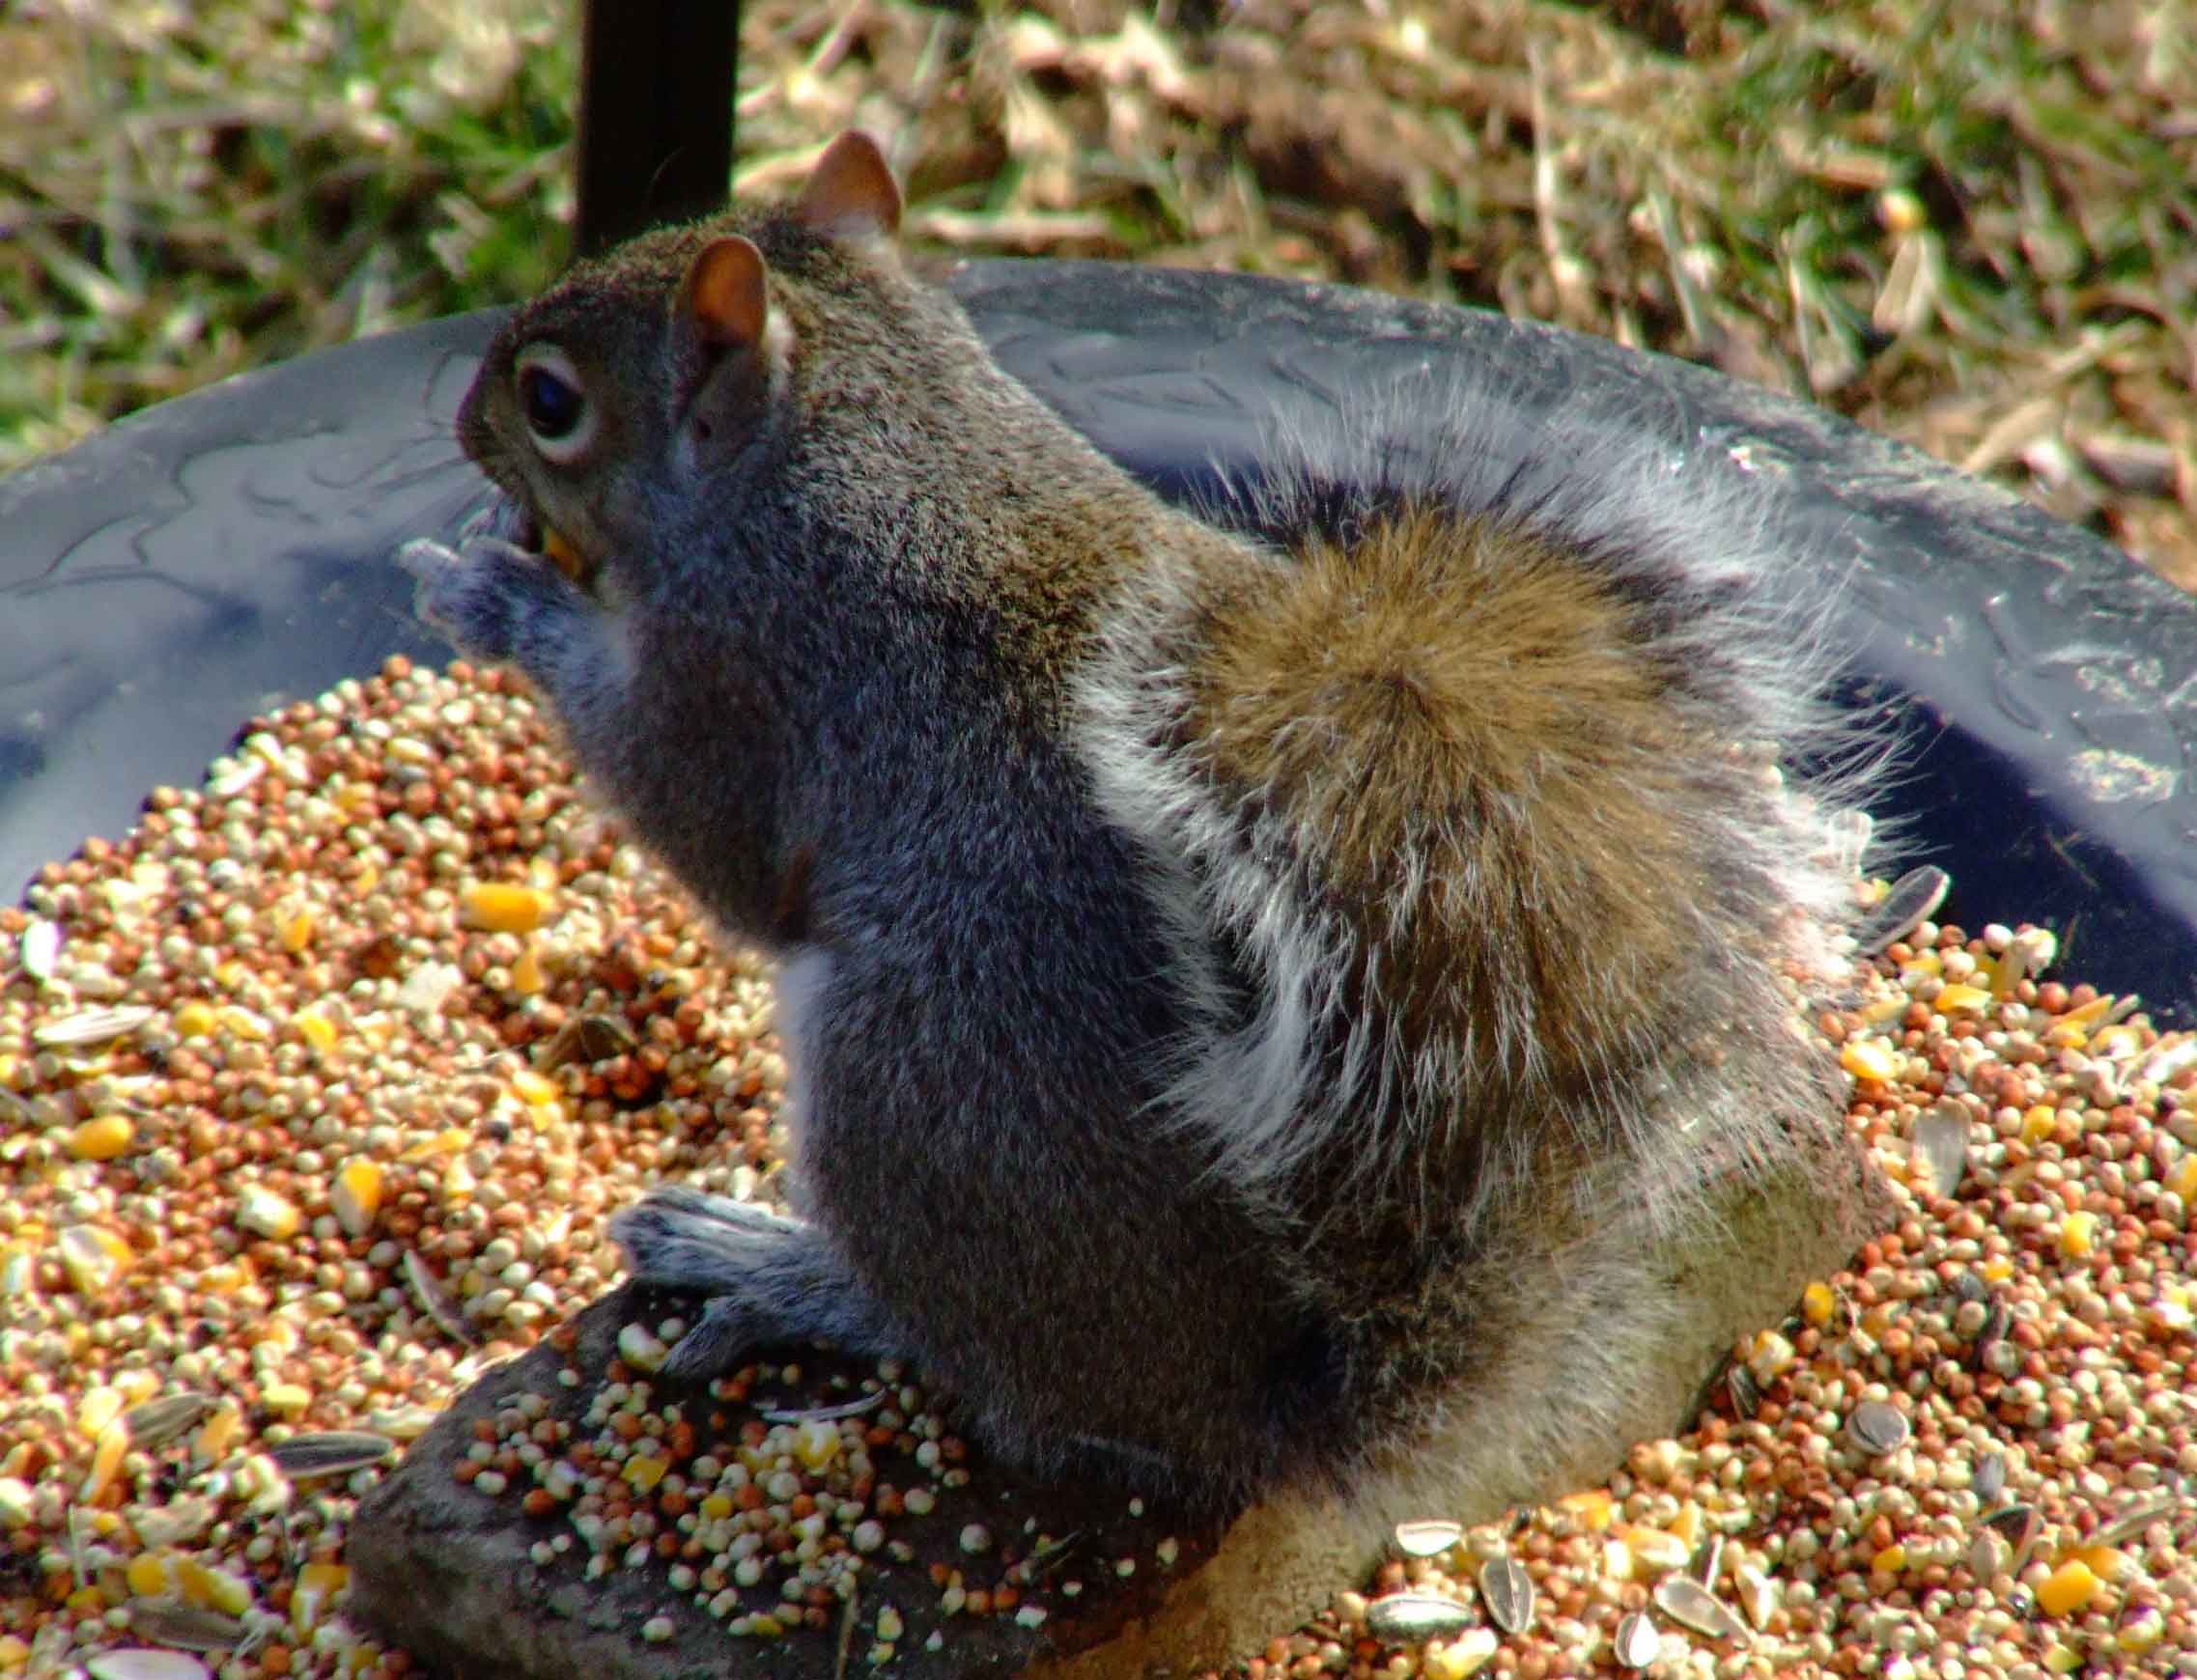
x=656, y=89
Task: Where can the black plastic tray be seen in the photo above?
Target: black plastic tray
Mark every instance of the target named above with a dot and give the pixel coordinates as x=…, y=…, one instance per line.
x=225, y=552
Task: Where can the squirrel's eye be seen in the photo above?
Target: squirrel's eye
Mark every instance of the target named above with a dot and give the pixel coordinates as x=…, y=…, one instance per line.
x=554, y=404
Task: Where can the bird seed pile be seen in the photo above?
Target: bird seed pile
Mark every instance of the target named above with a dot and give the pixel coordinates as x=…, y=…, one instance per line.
x=316, y=1090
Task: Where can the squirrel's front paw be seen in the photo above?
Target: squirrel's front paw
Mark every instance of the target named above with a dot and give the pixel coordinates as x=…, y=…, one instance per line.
x=486, y=594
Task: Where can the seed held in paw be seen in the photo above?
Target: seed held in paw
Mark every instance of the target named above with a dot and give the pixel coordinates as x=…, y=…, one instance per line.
x=564, y=556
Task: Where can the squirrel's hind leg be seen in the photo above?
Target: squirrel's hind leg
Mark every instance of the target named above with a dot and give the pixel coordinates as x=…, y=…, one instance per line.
x=770, y=1280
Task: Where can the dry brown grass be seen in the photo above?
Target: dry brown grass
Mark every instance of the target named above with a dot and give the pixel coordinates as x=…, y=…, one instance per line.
x=1968, y=223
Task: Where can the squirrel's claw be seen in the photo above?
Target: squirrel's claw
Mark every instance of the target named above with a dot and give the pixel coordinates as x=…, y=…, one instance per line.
x=716, y=1342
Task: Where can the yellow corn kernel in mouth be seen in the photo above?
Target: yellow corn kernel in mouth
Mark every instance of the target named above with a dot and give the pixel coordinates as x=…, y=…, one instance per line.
x=563, y=556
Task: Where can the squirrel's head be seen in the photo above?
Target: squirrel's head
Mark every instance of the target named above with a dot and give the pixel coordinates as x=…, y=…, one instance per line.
x=660, y=366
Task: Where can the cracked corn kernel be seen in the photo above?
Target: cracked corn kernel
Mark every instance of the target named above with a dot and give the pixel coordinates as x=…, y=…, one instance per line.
x=1461, y=1657
x=148, y=1575
x=317, y=1584
x=100, y=1139
x=1961, y=999
x=218, y=1434
x=1591, y=1509
x=357, y=1195
x=2142, y=1631
x=562, y=554
x=98, y=1407
x=316, y=1030
x=502, y=908
x=2084, y=1015
x=2077, y=1235
x=534, y=1090
x=1816, y=1305
x=213, y=1589
x=244, y=1023
x=1869, y=1058
x=2068, y=1588
x=295, y=931
x=93, y=1256
x=1657, y=1550
x=261, y=1211
x=644, y=1471
x=2183, y=1179
x=226, y=1279
x=1771, y=1356
x=816, y=1443
x=2170, y=1317
x=527, y=976
x=2109, y=1563
x=194, y=1020
x=106, y=1459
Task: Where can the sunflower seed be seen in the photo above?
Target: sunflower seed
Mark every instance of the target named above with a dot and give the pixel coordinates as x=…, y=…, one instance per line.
x=1745, y=1391
x=2018, y=1526
x=436, y=1301
x=1691, y=1605
x=329, y=1452
x=1910, y=901
x=2172, y=1056
x=176, y=1522
x=41, y=947
x=1759, y=1595
x=1996, y=1327
x=140, y=1662
x=1878, y=1428
x=163, y=1419
x=1710, y=1563
x=1941, y=1140
x=1508, y=1591
x=91, y=1026
x=226, y=783
x=1411, y=1617
x=586, y=1039
x=1427, y=1539
x=187, y=1625
x=1638, y=1643
x=1990, y=1479
x=869, y=1402
x=2133, y=1521
x=1987, y=1556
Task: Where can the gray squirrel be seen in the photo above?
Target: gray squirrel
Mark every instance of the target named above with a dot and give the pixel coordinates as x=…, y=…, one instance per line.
x=1248, y=1002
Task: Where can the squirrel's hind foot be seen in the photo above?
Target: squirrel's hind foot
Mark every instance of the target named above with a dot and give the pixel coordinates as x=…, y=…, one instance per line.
x=770, y=1280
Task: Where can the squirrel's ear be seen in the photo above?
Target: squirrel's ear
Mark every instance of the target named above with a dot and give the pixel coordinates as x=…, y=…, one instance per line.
x=725, y=300
x=851, y=193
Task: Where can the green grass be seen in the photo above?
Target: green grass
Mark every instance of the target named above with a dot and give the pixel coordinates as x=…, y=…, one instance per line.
x=1970, y=224
x=191, y=190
